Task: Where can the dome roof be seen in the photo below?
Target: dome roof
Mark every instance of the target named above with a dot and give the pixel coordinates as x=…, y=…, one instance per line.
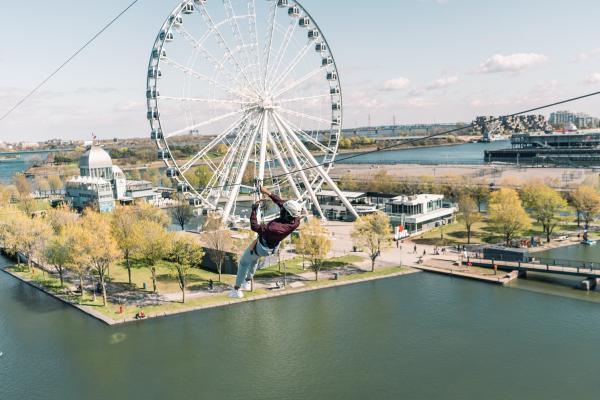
x=95, y=157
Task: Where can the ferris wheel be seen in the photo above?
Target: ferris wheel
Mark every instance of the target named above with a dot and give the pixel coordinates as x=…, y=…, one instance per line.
x=241, y=94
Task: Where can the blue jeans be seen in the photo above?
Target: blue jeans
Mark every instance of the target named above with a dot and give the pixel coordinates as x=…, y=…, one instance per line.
x=249, y=262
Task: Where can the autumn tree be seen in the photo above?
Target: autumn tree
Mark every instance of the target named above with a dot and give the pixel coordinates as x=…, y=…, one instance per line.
x=586, y=201
x=22, y=184
x=506, y=214
x=12, y=227
x=148, y=212
x=60, y=252
x=545, y=205
x=41, y=185
x=55, y=183
x=154, y=247
x=468, y=213
x=182, y=212
x=80, y=265
x=126, y=229
x=98, y=246
x=372, y=232
x=314, y=243
x=58, y=218
x=480, y=193
x=185, y=254
x=33, y=235
x=217, y=243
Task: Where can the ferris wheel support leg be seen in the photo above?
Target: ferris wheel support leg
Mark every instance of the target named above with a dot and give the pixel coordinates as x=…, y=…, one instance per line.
x=240, y=176
x=292, y=154
x=317, y=166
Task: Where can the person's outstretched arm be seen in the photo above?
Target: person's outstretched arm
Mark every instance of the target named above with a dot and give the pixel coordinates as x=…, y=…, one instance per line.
x=276, y=199
x=254, y=225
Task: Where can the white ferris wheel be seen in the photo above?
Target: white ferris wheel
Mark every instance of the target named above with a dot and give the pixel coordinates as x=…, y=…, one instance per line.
x=244, y=93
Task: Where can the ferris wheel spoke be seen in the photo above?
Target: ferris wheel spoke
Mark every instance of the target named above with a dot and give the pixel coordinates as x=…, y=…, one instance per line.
x=198, y=45
x=200, y=100
x=299, y=167
x=283, y=48
x=205, y=123
x=307, y=137
x=294, y=99
x=213, y=143
x=237, y=34
x=317, y=167
x=269, y=43
x=240, y=173
x=253, y=26
x=197, y=75
x=303, y=115
x=282, y=163
x=221, y=40
x=299, y=82
x=292, y=65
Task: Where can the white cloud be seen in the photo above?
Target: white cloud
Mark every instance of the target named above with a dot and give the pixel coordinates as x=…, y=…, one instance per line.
x=512, y=62
x=588, y=55
x=593, y=78
x=396, y=84
x=443, y=82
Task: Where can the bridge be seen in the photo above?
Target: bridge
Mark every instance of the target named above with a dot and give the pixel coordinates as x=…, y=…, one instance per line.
x=590, y=271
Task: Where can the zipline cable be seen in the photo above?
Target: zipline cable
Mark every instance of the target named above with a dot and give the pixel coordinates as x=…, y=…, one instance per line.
x=68, y=60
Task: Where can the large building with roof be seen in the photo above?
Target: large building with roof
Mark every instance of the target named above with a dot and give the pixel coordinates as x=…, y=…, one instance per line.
x=101, y=184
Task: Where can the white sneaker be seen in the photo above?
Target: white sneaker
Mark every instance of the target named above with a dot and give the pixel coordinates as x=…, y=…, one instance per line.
x=247, y=286
x=236, y=294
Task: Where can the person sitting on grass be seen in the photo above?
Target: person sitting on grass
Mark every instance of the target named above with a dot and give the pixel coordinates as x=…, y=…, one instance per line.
x=269, y=237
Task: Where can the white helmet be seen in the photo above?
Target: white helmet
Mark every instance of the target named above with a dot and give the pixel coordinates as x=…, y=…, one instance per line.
x=293, y=207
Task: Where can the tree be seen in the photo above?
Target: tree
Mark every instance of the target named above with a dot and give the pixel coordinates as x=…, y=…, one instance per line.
x=12, y=226
x=154, y=247
x=480, y=193
x=27, y=204
x=60, y=252
x=98, y=246
x=80, y=265
x=7, y=194
x=32, y=239
x=22, y=184
x=468, y=213
x=145, y=211
x=507, y=215
x=586, y=202
x=382, y=181
x=314, y=243
x=545, y=205
x=347, y=182
x=55, y=183
x=217, y=243
x=372, y=232
x=126, y=230
x=182, y=212
x=58, y=218
x=42, y=185
x=185, y=254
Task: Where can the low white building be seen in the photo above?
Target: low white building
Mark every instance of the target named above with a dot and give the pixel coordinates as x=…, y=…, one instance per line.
x=96, y=172
x=334, y=209
x=420, y=213
x=87, y=191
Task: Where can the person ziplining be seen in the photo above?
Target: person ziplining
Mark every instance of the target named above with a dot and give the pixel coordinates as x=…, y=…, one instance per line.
x=269, y=237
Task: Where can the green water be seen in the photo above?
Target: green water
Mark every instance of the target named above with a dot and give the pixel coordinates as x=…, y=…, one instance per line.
x=415, y=337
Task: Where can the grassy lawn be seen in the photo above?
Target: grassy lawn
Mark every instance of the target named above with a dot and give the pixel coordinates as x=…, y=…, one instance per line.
x=294, y=266
x=166, y=277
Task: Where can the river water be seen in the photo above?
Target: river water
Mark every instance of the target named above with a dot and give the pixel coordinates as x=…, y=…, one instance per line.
x=415, y=337
x=470, y=153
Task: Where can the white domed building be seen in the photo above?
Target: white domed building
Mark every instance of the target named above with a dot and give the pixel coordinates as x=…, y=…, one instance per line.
x=101, y=183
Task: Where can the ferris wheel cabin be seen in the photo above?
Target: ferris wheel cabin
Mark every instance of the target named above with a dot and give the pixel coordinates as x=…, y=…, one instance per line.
x=283, y=3
x=294, y=11
x=154, y=73
x=332, y=76
x=152, y=94
x=188, y=9
x=172, y=172
x=163, y=154
x=304, y=22
x=313, y=34
x=156, y=134
x=321, y=48
x=166, y=36
x=327, y=61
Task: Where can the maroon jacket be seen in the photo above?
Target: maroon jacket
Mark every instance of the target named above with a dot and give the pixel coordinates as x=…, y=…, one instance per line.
x=275, y=231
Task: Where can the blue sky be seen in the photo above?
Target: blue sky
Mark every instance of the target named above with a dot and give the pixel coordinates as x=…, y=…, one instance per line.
x=420, y=60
